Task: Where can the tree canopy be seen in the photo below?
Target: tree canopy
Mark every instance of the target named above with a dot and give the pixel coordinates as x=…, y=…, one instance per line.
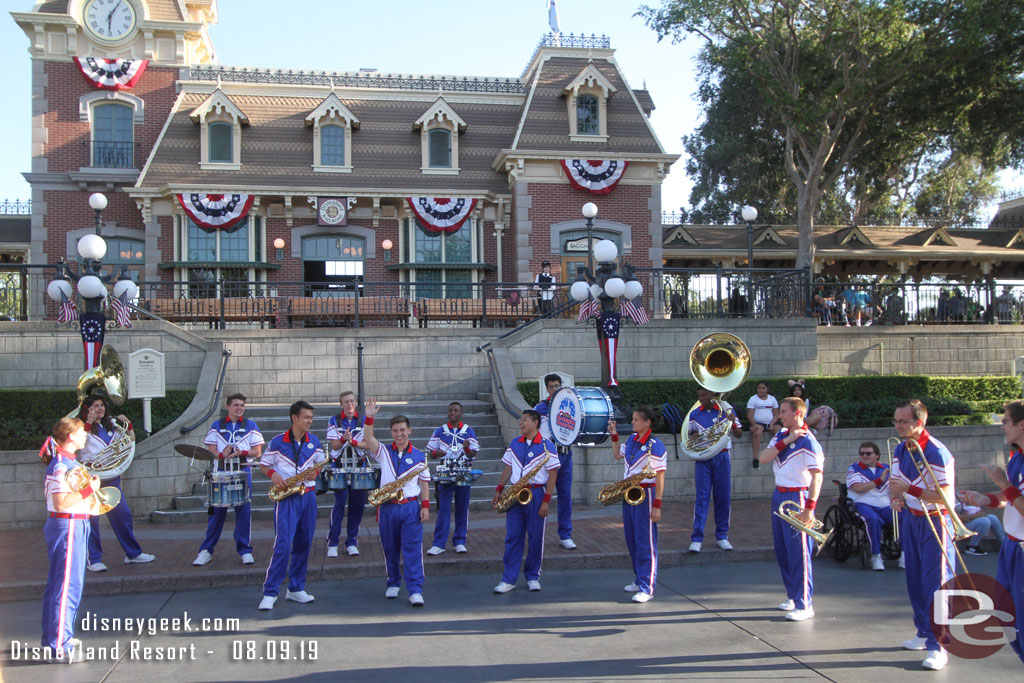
x=850, y=110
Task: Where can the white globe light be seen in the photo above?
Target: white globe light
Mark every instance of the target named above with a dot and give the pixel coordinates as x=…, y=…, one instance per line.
x=126, y=287
x=98, y=201
x=605, y=251
x=58, y=287
x=595, y=290
x=615, y=287
x=91, y=287
x=633, y=289
x=387, y=245
x=589, y=210
x=92, y=246
x=749, y=214
x=579, y=291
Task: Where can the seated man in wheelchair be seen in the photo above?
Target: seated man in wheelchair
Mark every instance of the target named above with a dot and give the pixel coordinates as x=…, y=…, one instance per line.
x=867, y=482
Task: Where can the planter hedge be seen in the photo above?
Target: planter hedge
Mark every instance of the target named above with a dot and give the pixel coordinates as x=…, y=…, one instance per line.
x=27, y=416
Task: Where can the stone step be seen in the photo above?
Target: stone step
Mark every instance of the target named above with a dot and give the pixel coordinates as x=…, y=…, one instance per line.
x=411, y=409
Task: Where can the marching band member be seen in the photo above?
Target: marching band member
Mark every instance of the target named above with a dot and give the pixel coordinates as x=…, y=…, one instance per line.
x=797, y=461
x=67, y=533
x=343, y=429
x=520, y=458
x=553, y=383
x=400, y=521
x=233, y=438
x=1010, y=570
x=928, y=561
x=289, y=454
x=446, y=439
x=867, y=482
x=101, y=431
x=712, y=476
x=640, y=522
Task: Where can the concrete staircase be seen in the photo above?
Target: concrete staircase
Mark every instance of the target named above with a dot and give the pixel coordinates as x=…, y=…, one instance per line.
x=424, y=417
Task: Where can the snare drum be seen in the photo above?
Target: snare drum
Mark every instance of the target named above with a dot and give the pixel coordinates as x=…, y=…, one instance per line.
x=444, y=474
x=336, y=478
x=465, y=476
x=580, y=415
x=364, y=478
x=228, y=489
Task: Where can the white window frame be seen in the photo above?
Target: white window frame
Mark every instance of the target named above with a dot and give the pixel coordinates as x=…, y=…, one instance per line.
x=218, y=107
x=332, y=112
x=439, y=115
x=589, y=81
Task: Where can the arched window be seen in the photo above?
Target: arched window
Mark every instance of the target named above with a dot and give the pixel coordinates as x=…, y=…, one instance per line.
x=332, y=145
x=440, y=153
x=220, y=142
x=587, y=117
x=113, y=136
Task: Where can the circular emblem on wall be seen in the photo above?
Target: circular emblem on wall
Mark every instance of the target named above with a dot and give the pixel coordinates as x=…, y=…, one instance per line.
x=332, y=211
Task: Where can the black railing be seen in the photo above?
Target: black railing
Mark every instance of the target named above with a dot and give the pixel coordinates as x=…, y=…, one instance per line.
x=13, y=294
x=17, y=207
x=100, y=154
x=879, y=303
x=730, y=292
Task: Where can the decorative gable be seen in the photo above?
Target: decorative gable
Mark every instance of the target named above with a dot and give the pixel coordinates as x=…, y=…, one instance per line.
x=939, y=236
x=854, y=237
x=220, y=151
x=590, y=78
x=439, y=128
x=1016, y=240
x=586, y=98
x=218, y=105
x=332, y=112
x=768, y=236
x=681, y=234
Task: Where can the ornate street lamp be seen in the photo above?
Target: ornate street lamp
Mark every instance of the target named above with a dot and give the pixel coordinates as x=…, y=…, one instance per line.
x=749, y=214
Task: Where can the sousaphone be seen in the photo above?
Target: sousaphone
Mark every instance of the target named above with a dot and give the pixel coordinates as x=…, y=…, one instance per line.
x=719, y=362
x=108, y=380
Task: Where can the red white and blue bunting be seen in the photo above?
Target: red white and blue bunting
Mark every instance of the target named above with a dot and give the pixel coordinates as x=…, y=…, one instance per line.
x=111, y=74
x=216, y=211
x=594, y=175
x=442, y=214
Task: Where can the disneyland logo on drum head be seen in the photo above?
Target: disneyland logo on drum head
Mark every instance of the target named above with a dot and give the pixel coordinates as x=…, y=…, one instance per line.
x=565, y=418
x=973, y=616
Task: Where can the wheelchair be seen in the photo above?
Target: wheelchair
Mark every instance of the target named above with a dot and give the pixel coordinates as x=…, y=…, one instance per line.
x=850, y=534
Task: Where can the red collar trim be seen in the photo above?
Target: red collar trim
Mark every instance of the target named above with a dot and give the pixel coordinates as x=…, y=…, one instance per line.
x=240, y=420
x=64, y=454
x=288, y=437
x=455, y=428
x=709, y=408
x=1015, y=451
x=923, y=440
x=342, y=417
x=643, y=439
x=408, y=448
x=536, y=439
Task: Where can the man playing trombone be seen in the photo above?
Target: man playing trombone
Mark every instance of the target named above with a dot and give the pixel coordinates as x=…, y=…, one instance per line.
x=798, y=461
x=922, y=479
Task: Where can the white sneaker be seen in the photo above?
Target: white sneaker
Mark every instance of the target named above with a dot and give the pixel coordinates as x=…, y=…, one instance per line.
x=434, y=550
x=352, y=550
x=504, y=587
x=247, y=558
x=460, y=548
x=567, y=544
x=631, y=588
x=416, y=600
x=724, y=544
x=391, y=593
x=936, y=660
x=299, y=596
x=903, y=561
x=533, y=586
x=695, y=547
x=202, y=558
x=877, y=564
x=787, y=606
x=332, y=551
x=642, y=597
x=96, y=567
x=267, y=603
x=800, y=614
x=916, y=643
x=141, y=558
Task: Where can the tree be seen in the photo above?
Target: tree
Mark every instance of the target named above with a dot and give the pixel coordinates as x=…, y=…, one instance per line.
x=854, y=91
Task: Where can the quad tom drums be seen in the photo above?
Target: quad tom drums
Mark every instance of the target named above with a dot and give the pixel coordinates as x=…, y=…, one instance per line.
x=580, y=415
x=228, y=489
x=364, y=478
x=336, y=478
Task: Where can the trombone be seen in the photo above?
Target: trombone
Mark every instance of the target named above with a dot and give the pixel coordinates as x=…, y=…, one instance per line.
x=895, y=514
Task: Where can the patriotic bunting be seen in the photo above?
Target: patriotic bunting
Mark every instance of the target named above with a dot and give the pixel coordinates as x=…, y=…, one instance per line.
x=111, y=74
x=120, y=307
x=635, y=313
x=608, y=338
x=597, y=176
x=93, y=326
x=68, y=310
x=215, y=211
x=442, y=214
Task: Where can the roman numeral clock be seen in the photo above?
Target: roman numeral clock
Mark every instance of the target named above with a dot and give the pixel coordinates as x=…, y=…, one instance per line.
x=109, y=20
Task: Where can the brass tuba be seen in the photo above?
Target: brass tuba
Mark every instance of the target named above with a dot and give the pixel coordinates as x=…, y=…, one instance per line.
x=108, y=377
x=719, y=362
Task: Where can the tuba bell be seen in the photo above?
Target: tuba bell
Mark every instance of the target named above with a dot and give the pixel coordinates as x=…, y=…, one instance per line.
x=108, y=379
x=719, y=362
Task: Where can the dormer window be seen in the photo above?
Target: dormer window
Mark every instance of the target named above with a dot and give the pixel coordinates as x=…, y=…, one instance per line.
x=439, y=129
x=220, y=123
x=332, y=123
x=587, y=101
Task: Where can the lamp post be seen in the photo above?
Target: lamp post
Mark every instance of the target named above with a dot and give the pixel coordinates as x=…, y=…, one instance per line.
x=387, y=245
x=749, y=214
x=92, y=284
x=590, y=212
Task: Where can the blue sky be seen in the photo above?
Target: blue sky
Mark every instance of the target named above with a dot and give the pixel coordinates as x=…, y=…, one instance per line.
x=440, y=37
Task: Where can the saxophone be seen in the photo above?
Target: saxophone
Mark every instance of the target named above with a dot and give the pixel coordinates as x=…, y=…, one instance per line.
x=628, y=489
x=520, y=492
x=295, y=483
x=393, y=490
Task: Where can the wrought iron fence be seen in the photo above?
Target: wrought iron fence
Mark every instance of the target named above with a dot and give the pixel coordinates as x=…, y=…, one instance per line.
x=730, y=293
x=357, y=79
x=17, y=207
x=13, y=294
x=100, y=154
x=881, y=303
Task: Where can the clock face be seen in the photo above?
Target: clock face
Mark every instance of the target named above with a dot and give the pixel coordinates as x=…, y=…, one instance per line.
x=109, y=20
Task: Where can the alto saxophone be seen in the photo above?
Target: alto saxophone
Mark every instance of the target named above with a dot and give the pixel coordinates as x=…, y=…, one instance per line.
x=393, y=490
x=295, y=483
x=520, y=492
x=628, y=489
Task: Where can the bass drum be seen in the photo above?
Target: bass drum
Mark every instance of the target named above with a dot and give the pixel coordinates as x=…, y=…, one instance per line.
x=580, y=415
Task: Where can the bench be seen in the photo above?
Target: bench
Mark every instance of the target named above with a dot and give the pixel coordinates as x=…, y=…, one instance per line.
x=342, y=311
x=208, y=310
x=472, y=311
